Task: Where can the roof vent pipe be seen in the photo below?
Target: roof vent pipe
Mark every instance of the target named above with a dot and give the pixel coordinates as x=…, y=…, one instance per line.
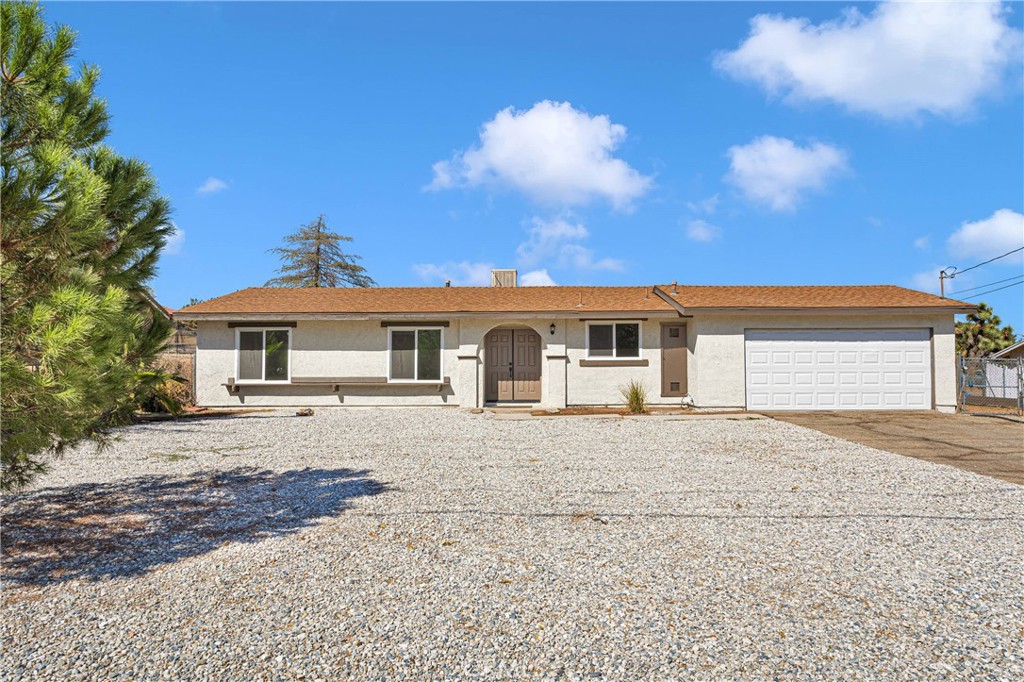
x=447, y=283
x=675, y=287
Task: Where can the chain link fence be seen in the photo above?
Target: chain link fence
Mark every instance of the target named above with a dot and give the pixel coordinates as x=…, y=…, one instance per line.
x=990, y=386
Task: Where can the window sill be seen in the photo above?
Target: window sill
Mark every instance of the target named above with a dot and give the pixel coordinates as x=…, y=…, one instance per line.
x=614, y=362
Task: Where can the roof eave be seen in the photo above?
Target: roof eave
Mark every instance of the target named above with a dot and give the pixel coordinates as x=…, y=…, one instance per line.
x=186, y=316
x=862, y=310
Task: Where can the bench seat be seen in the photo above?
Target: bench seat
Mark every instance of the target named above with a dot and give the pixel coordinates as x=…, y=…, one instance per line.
x=337, y=383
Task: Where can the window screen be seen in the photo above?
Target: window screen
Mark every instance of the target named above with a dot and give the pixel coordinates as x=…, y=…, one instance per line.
x=403, y=355
x=428, y=355
x=276, y=358
x=627, y=340
x=600, y=340
x=250, y=356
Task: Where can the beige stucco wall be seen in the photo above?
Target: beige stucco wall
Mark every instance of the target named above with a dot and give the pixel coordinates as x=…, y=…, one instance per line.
x=359, y=349
x=315, y=353
x=717, y=377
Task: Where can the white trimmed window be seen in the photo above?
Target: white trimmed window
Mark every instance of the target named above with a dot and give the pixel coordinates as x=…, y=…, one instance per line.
x=610, y=340
x=263, y=354
x=415, y=354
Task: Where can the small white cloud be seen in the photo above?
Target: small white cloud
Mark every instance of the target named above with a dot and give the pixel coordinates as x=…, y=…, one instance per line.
x=702, y=231
x=874, y=221
x=175, y=242
x=212, y=186
x=922, y=242
x=775, y=171
x=708, y=205
x=536, y=278
x=582, y=258
x=462, y=273
x=928, y=280
x=901, y=59
x=558, y=239
x=1001, y=232
x=547, y=237
x=552, y=153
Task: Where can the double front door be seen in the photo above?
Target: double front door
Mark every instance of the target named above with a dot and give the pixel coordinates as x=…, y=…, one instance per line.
x=512, y=361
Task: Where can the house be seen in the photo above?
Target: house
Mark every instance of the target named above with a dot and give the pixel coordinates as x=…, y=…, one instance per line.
x=1014, y=352
x=725, y=347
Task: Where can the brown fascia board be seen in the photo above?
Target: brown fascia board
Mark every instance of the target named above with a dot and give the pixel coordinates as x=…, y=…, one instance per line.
x=808, y=310
x=425, y=317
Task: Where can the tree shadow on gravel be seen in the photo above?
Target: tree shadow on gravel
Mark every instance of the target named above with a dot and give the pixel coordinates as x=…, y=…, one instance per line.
x=100, y=530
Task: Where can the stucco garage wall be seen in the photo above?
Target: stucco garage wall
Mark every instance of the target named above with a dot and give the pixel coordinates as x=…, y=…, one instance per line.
x=718, y=376
x=315, y=353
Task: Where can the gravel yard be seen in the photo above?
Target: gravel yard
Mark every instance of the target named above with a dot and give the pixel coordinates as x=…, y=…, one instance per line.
x=425, y=544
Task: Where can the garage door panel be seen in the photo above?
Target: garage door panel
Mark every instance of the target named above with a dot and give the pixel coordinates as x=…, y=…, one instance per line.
x=838, y=369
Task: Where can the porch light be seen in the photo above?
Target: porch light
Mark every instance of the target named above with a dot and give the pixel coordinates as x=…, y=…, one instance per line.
x=552, y=328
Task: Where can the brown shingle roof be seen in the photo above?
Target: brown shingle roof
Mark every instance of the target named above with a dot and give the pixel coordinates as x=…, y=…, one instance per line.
x=582, y=300
x=870, y=296
x=433, y=300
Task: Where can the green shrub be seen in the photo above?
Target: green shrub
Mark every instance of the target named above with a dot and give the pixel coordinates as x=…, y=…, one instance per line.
x=635, y=395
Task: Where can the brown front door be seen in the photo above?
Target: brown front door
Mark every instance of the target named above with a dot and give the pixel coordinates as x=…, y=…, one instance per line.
x=526, y=379
x=512, y=365
x=498, y=364
x=673, y=360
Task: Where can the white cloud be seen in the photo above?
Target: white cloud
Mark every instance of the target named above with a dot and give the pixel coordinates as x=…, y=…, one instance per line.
x=1001, y=232
x=775, y=171
x=552, y=153
x=922, y=242
x=537, y=278
x=462, y=273
x=547, y=237
x=928, y=280
x=212, y=186
x=558, y=239
x=702, y=231
x=175, y=242
x=708, y=205
x=901, y=59
x=580, y=257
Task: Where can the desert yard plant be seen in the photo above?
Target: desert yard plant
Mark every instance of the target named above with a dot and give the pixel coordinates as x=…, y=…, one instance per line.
x=635, y=395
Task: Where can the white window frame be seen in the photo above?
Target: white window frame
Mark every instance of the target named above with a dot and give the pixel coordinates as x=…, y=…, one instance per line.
x=615, y=351
x=263, y=365
x=416, y=356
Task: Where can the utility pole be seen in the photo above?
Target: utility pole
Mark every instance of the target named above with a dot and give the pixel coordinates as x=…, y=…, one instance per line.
x=948, y=273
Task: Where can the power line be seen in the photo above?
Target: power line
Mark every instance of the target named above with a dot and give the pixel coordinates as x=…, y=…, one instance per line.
x=985, y=293
x=960, y=272
x=982, y=286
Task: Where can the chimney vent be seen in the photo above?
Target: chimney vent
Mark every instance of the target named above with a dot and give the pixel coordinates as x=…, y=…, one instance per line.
x=504, y=278
x=447, y=283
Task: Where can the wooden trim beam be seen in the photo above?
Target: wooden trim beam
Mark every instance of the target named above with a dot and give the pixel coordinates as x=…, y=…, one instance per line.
x=614, y=363
x=414, y=323
x=262, y=323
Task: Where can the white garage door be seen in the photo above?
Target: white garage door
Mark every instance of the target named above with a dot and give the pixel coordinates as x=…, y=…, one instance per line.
x=829, y=369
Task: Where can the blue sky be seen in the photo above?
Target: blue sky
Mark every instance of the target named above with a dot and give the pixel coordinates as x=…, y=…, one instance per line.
x=709, y=143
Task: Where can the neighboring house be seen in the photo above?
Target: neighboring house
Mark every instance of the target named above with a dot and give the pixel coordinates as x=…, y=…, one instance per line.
x=183, y=336
x=727, y=347
x=1010, y=352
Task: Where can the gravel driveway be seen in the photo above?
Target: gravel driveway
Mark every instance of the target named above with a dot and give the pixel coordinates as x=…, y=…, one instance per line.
x=426, y=544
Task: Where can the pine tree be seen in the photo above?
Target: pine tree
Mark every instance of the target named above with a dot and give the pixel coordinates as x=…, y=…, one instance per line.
x=81, y=229
x=316, y=260
x=982, y=334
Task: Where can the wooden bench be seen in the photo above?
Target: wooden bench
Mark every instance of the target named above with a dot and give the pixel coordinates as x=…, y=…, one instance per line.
x=336, y=383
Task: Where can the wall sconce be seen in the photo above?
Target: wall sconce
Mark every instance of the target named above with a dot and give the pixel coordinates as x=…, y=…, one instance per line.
x=552, y=328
